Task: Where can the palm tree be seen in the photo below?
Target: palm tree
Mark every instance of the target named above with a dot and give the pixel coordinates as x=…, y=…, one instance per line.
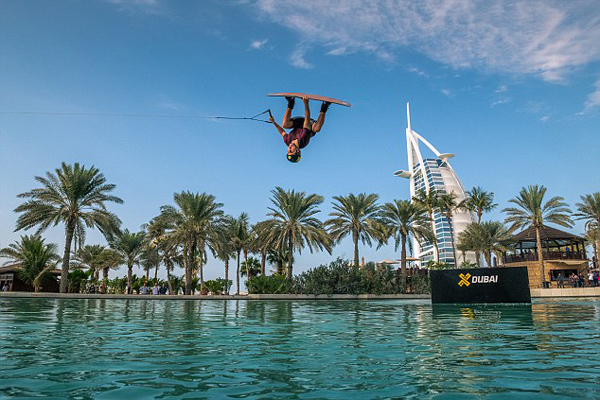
x=430, y=203
x=262, y=241
x=448, y=205
x=239, y=241
x=150, y=260
x=130, y=246
x=532, y=211
x=278, y=257
x=34, y=258
x=589, y=211
x=222, y=245
x=87, y=257
x=294, y=224
x=75, y=196
x=96, y=258
x=190, y=225
x=251, y=267
x=402, y=219
x=463, y=247
x=168, y=250
x=592, y=237
x=355, y=216
x=488, y=237
x=479, y=201
x=107, y=260
x=470, y=239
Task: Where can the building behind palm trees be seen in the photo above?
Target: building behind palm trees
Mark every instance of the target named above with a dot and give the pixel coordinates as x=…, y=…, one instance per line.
x=563, y=253
x=435, y=175
x=10, y=277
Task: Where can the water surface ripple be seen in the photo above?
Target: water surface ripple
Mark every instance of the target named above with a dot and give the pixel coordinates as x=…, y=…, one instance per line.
x=133, y=349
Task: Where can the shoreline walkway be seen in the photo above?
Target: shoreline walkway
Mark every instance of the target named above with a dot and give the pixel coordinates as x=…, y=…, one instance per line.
x=535, y=293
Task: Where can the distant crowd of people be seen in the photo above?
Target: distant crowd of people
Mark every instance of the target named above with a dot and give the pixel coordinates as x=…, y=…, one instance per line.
x=578, y=280
x=154, y=290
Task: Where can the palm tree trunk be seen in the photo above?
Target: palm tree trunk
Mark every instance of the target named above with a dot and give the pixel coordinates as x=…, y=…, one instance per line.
x=488, y=258
x=449, y=218
x=227, y=276
x=64, y=274
x=246, y=263
x=237, y=272
x=156, y=271
x=105, y=274
x=597, y=246
x=478, y=256
x=356, y=256
x=263, y=261
x=168, y=266
x=403, y=262
x=290, y=254
x=188, y=270
x=538, y=240
x=435, y=244
x=147, y=274
x=129, y=277
x=201, y=267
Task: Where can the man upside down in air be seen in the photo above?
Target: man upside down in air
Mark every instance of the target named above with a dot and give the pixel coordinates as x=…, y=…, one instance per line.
x=302, y=129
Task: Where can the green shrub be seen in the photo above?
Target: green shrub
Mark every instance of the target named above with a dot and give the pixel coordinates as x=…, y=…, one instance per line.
x=77, y=279
x=340, y=277
x=217, y=286
x=262, y=284
x=420, y=284
x=435, y=265
x=468, y=264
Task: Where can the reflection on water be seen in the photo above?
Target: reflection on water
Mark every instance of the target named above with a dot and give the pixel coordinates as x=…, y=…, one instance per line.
x=277, y=349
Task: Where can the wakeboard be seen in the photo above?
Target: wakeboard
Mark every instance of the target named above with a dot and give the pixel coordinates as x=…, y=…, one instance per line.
x=312, y=97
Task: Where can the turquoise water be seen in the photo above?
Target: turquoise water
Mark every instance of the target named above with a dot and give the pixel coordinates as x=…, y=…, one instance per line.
x=132, y=349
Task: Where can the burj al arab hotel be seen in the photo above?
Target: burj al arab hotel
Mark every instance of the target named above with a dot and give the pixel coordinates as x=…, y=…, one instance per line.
x=435, y=173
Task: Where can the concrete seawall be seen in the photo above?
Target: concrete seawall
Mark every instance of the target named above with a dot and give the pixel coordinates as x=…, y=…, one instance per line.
x=216, y=297
x=566, y=292
x=535, y=293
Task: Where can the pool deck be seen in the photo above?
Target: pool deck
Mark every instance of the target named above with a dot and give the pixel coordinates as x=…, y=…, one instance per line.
x=566, y=292
x=535, y=293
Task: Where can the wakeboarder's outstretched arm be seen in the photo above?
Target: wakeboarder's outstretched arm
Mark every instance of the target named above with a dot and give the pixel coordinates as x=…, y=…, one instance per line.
x=277, y=126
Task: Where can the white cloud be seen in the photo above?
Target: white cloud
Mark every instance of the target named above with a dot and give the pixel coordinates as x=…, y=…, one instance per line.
x=503, y=100
x=258, y=44
x=297, y=58
x=547, y=38
x=447, y=93
x=502, y=89
x=147, y=6
x=135, y=2
x=418, y=71
x=593, y=100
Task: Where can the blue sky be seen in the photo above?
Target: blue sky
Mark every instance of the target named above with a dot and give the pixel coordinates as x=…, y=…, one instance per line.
x=511, y=87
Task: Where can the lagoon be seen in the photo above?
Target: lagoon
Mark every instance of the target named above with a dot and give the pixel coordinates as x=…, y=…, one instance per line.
x=117, y=349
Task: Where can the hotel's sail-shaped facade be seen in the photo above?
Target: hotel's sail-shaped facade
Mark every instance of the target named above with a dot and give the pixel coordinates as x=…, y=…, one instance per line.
x=435, y=174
